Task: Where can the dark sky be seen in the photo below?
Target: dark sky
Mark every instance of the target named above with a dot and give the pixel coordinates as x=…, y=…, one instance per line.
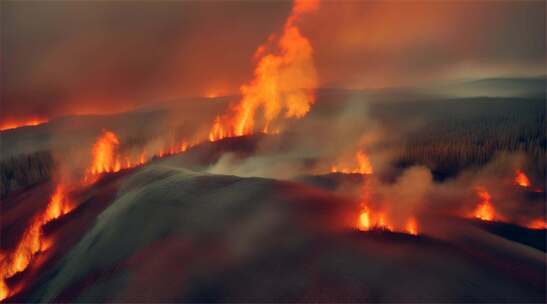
x=62, y=57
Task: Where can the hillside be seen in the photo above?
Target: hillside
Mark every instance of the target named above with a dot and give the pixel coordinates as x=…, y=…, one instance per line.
x=175, y=235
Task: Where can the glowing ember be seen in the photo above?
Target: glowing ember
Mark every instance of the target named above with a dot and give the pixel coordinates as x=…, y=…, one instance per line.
x=363, y=165
x=485, y=209
x=27, y=123
x=284, y=83
x=521, y=179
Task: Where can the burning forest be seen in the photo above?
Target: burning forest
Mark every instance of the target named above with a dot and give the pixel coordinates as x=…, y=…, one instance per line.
x=235, y=154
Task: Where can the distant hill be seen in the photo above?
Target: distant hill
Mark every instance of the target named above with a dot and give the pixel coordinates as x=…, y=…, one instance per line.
x=494, y=87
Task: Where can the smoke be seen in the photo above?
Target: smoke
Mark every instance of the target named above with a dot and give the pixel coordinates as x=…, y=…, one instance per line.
x=337, y=129
x=407, y=196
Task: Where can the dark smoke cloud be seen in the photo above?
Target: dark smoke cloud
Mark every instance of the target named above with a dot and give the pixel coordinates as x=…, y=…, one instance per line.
x=80, y=57
x=61, y=57
x=382, y=43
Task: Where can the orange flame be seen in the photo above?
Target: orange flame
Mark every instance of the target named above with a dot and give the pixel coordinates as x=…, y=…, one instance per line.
x=412, y=226
x=377, y=221
x=284, y=83
x=364, y=220
x=485, y=209
x=521, y=179
x=31, y=242
x=4, y=290
x=104, y=154
x=105, y=159
x=537, y=224
x=58, y=205
x=26, y=123
x=382, y=223
x=363, y=165
x=28, y=246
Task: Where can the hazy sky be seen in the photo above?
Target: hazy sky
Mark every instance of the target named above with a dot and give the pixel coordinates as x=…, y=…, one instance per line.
x=63, y=57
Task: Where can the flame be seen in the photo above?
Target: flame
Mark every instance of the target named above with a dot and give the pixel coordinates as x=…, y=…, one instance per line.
x=18, y=124
x=521, y=179
x=283, y=83
x=58, y=205
x=363, y=165
x=485, y=210
x=364, y=220
x=378, y=221
x=217, y=131
x=21, y=257
x=4, y=290
x=28, y=246
x=104, y=154
x=382, y=223
x=172, y=149
x=106, y=158
x=32, y=242
x=537, y=224
x=412, y=226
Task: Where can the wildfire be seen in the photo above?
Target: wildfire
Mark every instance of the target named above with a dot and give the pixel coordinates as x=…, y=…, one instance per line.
x=537, y=224
x=58, y=205
x=412, y=226
x=485, y=209
x=169, y=150
x=382, y=224
x=521, y=179
x=363, y=165
x=106, y=158
x=364, y=220
x=4, y=290
x=369, y=220
x=104, y=154
x=283, y=83
x=26, y=123
x=377, y=221
x=31, y=242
